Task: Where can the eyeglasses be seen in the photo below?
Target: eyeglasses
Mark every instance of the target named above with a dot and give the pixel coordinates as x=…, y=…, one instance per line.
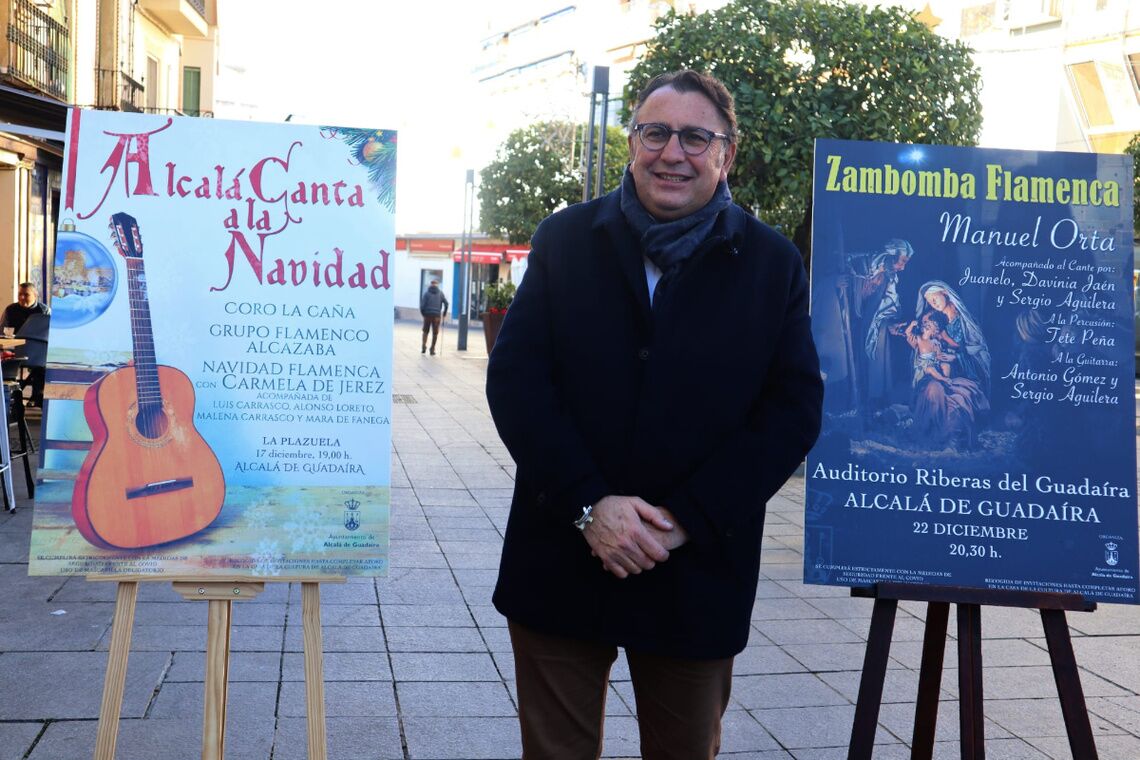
x=694, y=140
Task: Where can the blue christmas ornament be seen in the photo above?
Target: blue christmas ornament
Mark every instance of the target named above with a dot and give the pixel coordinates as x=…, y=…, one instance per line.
x=84, y=280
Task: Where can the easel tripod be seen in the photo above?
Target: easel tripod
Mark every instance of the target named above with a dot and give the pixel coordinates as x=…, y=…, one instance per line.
x=220, y=593
x=971, y=718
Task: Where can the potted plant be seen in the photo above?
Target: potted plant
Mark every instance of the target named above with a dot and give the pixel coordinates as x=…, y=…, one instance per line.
x=499, y=296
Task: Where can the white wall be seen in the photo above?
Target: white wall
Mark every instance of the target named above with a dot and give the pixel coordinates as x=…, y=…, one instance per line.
x=1024, y=95
x=406, y=285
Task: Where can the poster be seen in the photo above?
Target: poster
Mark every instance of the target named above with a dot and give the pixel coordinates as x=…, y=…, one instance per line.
x=220, y=354
x=974, y=318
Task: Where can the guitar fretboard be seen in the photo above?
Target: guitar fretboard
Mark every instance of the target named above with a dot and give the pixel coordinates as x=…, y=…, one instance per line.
x=146, y=368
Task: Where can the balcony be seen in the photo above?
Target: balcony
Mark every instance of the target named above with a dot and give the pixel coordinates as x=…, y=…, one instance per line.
x=36, y=52
x=118, y=91
x=185, y=17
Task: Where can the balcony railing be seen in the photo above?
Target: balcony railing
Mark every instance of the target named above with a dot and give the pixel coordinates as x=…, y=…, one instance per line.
x=179, y=112
x=118, y=91
x=37, y=49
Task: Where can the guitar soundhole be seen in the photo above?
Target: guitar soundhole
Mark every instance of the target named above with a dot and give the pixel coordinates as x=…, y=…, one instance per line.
x=152, y=423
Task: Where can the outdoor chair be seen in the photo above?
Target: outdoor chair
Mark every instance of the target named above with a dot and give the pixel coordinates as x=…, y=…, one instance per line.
x=34, y=332
x=13, y=414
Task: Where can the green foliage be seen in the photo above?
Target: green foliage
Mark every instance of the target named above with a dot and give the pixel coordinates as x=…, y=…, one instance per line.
x=499, y=295
x=1133, y=149
x=538, y=170
x=806, y=69
x=617, y=156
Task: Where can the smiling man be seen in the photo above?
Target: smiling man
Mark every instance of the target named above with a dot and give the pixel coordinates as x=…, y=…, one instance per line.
x=656, y=383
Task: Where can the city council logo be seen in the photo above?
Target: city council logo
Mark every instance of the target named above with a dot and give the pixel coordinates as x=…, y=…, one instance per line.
x=352, y=515
x=1111, y=555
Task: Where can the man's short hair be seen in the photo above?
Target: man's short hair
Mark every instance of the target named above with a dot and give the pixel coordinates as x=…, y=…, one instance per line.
x=689, y=80
x=29, y=286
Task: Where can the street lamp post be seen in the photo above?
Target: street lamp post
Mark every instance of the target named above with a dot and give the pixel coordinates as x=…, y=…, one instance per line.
x=601, y=87
x=465, y=258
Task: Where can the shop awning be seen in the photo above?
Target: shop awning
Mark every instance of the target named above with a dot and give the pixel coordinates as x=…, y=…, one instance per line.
x=478, y=257
x=429, y=246
x=514, y=254
x=32, y=110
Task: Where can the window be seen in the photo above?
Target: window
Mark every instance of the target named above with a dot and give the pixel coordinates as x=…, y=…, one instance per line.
x=1029, y=13
x=1090, y=93
x=151, y=84
x=191, y=90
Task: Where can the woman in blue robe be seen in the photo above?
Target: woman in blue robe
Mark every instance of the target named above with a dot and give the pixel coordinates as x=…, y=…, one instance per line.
x=972, y=355
x=948, y=400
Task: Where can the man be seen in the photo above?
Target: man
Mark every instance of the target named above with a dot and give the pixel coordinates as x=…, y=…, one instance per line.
x=655, y=382
x=433, y=305
x=27, y=304
x=14, y=317
x=876, y=305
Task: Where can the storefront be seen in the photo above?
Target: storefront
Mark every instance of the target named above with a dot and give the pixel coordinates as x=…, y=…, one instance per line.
x=31, y=163
x=422, y=258
x=486, y=266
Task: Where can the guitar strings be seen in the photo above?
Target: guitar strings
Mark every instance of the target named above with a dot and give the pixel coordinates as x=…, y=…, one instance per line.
x=147, y=388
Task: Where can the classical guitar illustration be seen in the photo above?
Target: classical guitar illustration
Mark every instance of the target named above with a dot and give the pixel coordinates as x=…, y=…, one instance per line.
x=149, y=477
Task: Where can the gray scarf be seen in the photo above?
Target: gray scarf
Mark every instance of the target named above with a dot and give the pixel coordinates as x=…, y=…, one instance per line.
x=669, y=244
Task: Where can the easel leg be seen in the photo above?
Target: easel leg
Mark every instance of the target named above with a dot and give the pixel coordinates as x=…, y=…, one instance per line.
x=971, y=716
x=26, y=448
x=217, y=679
x=871, y=683
x=929, y=680
x=6, y=458
x=1069, y=689
x=125, y=597
x=314, y=669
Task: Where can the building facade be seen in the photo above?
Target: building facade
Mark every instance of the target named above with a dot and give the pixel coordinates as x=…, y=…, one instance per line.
x=1056, y=74
x=537, y=61
x=152, y=56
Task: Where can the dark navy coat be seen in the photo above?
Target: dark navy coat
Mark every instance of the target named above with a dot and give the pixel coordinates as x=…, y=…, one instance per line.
x=704, y=404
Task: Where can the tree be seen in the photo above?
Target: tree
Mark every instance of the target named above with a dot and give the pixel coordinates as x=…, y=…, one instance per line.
x=1133, y=150
x=538, y=170
x=805, y=69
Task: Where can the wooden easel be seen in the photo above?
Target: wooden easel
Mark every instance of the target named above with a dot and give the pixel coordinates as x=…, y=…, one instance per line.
x=220, y=593
x=970, y=716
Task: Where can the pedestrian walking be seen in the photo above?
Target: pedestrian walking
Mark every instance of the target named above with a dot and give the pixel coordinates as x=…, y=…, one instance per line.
x=433, y=307
x=650, y=425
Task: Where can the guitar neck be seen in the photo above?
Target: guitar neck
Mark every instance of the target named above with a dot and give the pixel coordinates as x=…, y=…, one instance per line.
x=146, y=369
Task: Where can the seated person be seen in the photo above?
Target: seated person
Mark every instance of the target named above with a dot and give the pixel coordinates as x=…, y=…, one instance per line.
x=14, y=317
x=27, y=304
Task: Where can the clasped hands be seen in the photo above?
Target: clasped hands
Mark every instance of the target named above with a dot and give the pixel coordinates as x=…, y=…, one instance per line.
x=628, y=534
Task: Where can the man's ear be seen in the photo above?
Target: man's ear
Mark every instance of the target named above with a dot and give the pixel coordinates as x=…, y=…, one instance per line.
x=729, y=157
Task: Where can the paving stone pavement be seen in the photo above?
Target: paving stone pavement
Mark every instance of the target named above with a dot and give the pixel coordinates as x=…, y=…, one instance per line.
x=418, y=664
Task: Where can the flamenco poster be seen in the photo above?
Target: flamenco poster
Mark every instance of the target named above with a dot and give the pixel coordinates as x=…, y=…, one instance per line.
x=219, y=371
x=973, y=311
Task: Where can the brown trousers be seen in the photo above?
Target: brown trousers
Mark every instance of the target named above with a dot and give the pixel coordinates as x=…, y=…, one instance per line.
x=562, y=687
x=431, y=323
